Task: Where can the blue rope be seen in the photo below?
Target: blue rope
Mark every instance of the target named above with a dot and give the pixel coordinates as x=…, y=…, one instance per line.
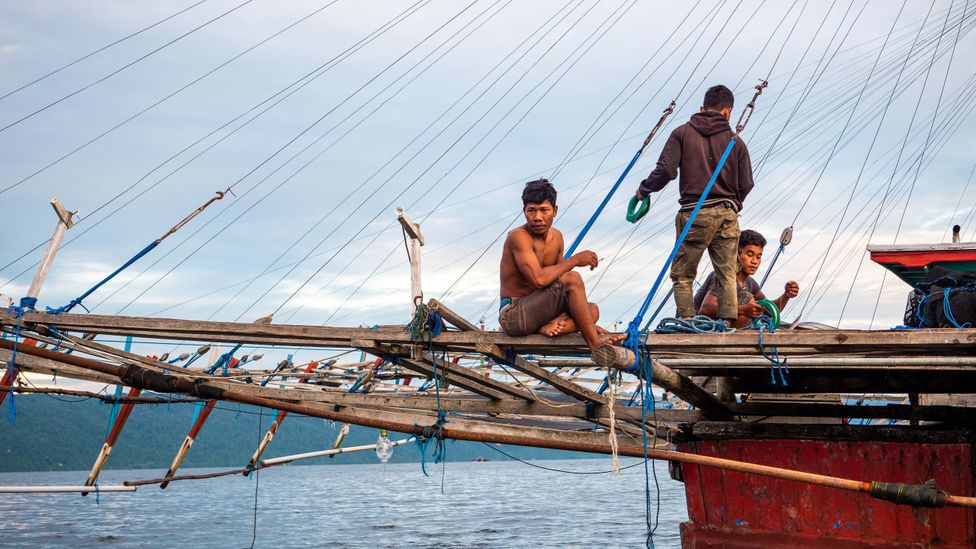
x=947, y=309
x=776, y=365
x=223, y=361
x=636, y=337
x=77, y=301
x=599, y=210
x=27, y=305
x=696, y=325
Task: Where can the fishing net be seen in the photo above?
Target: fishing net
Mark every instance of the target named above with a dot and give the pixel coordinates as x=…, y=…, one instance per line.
x=944, y=299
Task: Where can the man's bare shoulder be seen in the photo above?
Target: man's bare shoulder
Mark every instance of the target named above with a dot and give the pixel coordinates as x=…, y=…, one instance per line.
x=518, y=235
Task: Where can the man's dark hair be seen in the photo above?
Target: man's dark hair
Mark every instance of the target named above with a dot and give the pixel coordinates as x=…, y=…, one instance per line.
x=718, y=98
x=750, y=237
x=537, y=192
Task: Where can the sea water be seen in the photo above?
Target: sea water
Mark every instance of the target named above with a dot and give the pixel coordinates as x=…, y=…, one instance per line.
x=460, y=504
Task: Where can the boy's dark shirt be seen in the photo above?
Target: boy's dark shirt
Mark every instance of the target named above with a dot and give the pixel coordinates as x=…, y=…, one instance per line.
x=744, y=295
x=695, y=148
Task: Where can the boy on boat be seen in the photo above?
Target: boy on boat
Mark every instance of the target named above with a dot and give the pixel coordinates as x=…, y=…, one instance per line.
x=751, y=245
x=694, y=149
x=540, y=291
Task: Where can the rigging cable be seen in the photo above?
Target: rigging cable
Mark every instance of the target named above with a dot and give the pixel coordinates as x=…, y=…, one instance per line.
x=117, y=71
x=99, y=50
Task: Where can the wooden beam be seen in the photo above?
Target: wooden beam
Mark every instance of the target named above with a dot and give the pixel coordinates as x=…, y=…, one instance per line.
x=612, y=356
x=451, y=317
x=529, y=368
x=944, y=342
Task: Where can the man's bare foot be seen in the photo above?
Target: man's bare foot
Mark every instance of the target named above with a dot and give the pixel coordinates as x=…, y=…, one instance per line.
x=555, y=326
x=614, y=339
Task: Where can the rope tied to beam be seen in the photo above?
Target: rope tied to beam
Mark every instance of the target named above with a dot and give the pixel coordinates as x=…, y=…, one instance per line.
x=142, y=253
x=26, y=305
x=770, y=321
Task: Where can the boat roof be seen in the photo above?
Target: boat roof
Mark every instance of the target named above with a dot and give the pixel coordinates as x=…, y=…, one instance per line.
x=911, y=262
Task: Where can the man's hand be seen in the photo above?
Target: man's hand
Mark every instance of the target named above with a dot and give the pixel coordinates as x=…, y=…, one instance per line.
x=792, y=289
x=586, y=258
x=751, y=310
x=639, y=196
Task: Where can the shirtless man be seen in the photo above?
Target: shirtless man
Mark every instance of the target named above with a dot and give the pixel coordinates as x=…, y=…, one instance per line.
x=540, y=292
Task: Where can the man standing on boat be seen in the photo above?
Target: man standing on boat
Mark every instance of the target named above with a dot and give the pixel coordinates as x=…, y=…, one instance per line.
x=540, y=291
x=751, y=245
x=694, y=149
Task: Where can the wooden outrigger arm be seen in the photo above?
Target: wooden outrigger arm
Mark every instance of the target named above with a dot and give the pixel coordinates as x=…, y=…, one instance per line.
x=263, y=445
x=111, y=439
x=202, y=413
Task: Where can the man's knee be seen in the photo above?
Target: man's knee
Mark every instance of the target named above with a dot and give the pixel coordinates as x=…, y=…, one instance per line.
x=595, y=311
x=572, y=279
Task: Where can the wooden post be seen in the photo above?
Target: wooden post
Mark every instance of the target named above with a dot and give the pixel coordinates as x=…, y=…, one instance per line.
x=412, y=230
x=64, y=223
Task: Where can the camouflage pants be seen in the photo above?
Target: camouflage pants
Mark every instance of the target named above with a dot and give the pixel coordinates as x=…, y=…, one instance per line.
x=715, y=229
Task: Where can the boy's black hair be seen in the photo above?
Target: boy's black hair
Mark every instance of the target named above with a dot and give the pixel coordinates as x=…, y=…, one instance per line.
x=751, y=237
x=537, y=192
x=718, y=98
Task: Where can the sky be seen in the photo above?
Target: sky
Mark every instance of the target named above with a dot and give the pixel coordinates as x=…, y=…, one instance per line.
x=321, y=117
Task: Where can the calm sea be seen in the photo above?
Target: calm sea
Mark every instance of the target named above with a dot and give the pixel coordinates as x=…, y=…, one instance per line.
x=484, y=504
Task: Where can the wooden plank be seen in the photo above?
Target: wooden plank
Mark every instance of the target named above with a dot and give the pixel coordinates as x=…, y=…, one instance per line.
x=950, y=341
x=38, y=365
x=713, y=430
x=947, y=414
x=451, y=317
x=530, y=368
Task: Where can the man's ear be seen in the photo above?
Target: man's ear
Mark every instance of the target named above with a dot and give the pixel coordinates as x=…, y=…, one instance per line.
x=555, y=210
x=701, y=109
x=727, y=113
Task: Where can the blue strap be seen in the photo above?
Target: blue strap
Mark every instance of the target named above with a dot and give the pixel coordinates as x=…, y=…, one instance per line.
x=27, y=305
x=223, y=361
x=684, y=233
x=77, y=301
x=606, y=200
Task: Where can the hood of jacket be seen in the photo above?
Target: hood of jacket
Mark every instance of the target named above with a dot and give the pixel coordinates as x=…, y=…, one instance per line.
x=709, y=123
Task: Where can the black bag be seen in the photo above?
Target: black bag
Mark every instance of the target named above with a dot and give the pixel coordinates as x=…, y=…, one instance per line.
x=945, y=299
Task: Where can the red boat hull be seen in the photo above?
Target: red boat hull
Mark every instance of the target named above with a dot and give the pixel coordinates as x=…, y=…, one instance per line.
x=736, y=510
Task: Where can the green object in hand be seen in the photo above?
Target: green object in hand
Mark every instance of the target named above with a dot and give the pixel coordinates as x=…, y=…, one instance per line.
x=772, y=309
x=634, y=213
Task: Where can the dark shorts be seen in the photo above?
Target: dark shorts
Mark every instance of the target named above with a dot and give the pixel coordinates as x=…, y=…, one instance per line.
x=525, y=315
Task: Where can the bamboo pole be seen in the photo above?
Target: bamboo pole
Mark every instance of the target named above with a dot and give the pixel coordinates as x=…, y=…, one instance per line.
x=63, y=489
x=333, y=452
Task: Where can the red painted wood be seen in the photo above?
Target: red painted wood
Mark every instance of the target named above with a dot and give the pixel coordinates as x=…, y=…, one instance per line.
x=738, y=510
x=922, y=258
x=120, y=420
x=202, y=418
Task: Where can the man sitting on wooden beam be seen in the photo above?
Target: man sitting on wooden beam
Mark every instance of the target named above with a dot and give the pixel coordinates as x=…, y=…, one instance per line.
x=751, y=245
x=540, y=292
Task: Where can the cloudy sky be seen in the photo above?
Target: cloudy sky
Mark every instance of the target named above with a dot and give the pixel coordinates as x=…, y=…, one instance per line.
x=324, y=116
